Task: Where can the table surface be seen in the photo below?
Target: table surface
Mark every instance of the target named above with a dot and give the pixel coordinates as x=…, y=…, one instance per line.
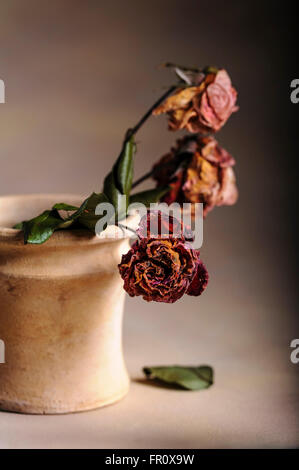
x=253, y=403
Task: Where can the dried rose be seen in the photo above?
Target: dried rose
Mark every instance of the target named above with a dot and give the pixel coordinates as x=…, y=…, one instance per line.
x=163, y=269
x=157, y=224
x=207, y=177
x=202, y=108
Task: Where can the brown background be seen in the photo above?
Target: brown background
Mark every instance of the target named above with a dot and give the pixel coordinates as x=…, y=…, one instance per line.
x=77, y=74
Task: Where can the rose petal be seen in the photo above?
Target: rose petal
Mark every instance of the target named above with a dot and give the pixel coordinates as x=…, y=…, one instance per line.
x=228, y=193
x=181, y=99
x=200, y=281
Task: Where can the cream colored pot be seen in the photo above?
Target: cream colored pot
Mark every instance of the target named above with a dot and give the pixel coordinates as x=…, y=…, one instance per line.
x=61, y=307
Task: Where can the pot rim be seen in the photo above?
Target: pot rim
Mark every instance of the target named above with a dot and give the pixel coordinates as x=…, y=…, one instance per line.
x=60, y=237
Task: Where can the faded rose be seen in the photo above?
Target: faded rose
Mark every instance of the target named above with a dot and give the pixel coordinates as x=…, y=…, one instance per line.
x=202, y=108
x=163, y=269
x=157, y=224
x=207, y=177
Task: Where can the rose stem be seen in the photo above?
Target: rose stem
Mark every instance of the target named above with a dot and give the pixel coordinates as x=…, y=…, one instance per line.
x=142, y=178
x=180, y=156
x=135, y=129
x=128, y=228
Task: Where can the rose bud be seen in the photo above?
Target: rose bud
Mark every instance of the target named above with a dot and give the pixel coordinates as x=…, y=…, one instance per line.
x=202, y=108
x=163, y=269
x=207, y=176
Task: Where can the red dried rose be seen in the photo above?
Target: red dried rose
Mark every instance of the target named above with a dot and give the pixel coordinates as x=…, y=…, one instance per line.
x=207, y=176
x=202, y=108
x=157, y=224
x=162, y=269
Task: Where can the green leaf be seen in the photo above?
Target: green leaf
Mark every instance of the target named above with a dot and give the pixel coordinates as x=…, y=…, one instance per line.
x=61, y=206
x=123, y=169
x=118, y=183
x=87, y=216
x=150, y=196
x=40, y=229
x=190, y=378
x=115, y=196
x=18, y=226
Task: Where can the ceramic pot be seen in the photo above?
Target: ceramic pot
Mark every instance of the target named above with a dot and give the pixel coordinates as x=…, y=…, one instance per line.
x=61, y=308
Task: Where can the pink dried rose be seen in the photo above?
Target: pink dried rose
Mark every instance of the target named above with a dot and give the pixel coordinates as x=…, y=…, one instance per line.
x=207, y=177
x=162, y=269
x=202, y=108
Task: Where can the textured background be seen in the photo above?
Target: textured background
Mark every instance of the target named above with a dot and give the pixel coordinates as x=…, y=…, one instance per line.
x=77, y=74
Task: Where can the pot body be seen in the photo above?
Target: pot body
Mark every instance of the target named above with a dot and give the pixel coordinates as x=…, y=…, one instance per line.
x=61, y=308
